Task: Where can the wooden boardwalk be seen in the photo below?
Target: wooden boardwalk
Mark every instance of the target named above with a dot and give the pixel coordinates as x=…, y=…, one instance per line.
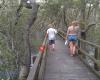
x=61, y=66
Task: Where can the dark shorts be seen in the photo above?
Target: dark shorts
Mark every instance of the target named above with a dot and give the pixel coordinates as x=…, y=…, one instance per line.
x=72, y=38
x=51, y=42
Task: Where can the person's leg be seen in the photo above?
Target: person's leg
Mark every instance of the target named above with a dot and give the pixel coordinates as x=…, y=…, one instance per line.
x=74, y=48
x=71, y=44
x=68, y=44
x=50, y=45
x=74, y=44
x=53, y=44
x=71, y=48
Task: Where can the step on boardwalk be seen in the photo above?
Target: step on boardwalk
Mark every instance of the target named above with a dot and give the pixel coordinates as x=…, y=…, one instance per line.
x=61, y=66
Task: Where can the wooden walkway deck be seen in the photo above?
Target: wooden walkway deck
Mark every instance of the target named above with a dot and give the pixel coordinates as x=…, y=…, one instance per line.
x=61, y=66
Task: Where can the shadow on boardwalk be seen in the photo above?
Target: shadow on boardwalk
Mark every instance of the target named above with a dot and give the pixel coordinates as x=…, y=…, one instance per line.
x=61, y=66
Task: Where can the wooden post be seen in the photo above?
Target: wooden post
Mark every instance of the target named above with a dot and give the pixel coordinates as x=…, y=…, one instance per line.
x=96, y=57
x=79, y=46
x=83, y=36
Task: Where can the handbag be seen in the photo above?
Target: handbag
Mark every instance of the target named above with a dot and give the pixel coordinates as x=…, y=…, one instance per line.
x=66, y=42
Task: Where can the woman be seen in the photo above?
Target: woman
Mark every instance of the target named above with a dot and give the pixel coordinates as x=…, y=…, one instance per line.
x=72, y=34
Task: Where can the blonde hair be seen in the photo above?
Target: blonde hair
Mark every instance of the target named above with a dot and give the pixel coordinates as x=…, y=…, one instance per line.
x=75, y=23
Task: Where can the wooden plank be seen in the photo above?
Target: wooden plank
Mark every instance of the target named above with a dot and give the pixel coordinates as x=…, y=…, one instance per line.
x=61, y=66
x=34, y=71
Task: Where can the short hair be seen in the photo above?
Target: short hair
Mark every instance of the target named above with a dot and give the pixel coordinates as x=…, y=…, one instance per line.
x=50, y=25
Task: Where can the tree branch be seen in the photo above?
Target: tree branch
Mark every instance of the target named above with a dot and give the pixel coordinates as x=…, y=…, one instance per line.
x=18, y=12
x=89, y=26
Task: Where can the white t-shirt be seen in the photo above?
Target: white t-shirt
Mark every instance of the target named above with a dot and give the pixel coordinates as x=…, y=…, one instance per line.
x=51, y=33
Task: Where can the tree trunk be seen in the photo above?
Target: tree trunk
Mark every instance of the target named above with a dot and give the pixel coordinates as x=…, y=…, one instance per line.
x=83, y=6
x=23, y=73
x=27, y=60
x=64, y=16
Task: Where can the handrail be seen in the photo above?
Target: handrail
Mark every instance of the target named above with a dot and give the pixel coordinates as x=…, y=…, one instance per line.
x=34, y=73
x=90, y=43
x=92, y=58
x=83, y=52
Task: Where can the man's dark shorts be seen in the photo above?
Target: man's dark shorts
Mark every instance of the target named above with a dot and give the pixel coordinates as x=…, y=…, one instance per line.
x=51, y=42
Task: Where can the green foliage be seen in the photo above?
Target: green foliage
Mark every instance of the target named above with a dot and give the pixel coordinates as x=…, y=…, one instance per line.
x=74, y=10
x=97, y=34
x=7, y=79
x=12, y=42
x=51, y=9
x=11, y=36
x=7, y=13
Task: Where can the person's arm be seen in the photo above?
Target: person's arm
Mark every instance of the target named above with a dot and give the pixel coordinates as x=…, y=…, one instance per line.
x=55, y=31
x=47, y=33
x=67, y=33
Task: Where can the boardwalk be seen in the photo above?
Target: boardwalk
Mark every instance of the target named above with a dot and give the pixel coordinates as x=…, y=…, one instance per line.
x=61, y=66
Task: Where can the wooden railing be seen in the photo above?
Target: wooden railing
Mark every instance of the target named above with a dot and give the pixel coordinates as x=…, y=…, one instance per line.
x=37, y=70
x=89, y=53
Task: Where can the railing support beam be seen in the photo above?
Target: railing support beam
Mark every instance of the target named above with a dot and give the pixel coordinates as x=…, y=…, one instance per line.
x=97, y=58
